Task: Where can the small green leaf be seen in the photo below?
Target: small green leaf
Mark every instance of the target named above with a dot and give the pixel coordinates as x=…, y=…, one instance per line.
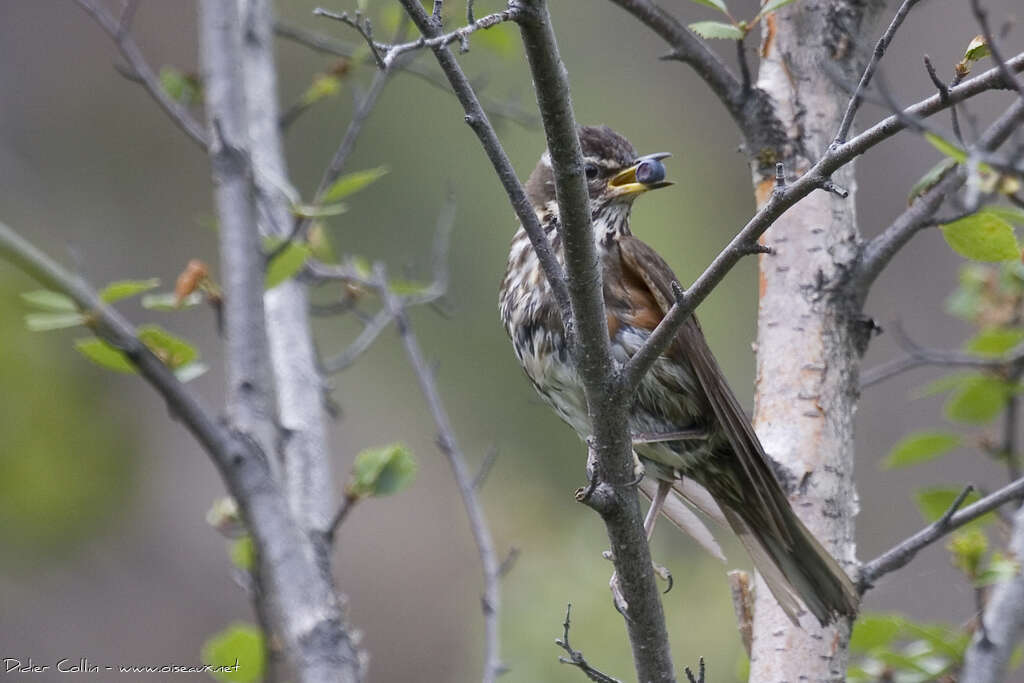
x=103, y=354
x=46, y=322
x=714, y=4
x=982, y=236
x=243, y=553
x=978, y=400
x=322, y=87
x=382, y=471
x=166, y=301
x=174, y=351
x=772, y=6
x=968, y=546
x=929, y=179
x=944, y=384
x=934, y=501
x=976, y=49
x=187, y=373
x=351, y=183
x=717, y=30
x=124, y=289
x=47, y=300
x=946, y=147
x=873, y=631
x=286, y=264
x=1000, y=568
x=180, y=86
x=238, y=651
x=320, y=244
x=318, y=210
x=995, y=341
x=920, y=447
x=1008, y=214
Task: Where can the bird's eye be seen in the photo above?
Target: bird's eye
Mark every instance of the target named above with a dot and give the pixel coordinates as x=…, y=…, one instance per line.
x=591, y=171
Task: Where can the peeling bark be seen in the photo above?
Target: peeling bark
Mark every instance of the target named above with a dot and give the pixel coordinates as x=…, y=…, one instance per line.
x=808, y=338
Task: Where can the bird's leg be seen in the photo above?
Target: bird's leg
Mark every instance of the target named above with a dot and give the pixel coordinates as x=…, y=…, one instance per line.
x=652, y=516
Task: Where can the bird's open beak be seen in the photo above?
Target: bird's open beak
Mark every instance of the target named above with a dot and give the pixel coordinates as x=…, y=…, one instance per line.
x=648, y=173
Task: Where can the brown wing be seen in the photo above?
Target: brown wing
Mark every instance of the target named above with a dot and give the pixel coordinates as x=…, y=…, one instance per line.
x=642, y=264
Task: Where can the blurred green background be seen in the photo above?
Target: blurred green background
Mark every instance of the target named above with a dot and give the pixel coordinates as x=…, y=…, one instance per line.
x=106, y=553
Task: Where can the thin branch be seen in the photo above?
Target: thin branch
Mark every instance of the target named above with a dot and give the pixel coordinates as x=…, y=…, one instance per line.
x=460, y=35
x=944, y=94
x=576, y=657
x=869, y=70
x=699, y=678
x=477, y=119
x=362, y=26
x=119, y=31
x=901, y=554
x=363, y=341
x=688, y=48
x=981, y=15
x=491, y=599
x=881, y=249
x=321, y=43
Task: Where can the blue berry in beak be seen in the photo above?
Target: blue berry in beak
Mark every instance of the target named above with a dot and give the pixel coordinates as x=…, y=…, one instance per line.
x=650, y=171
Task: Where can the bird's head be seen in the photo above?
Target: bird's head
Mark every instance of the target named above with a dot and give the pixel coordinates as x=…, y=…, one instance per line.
x=616, y=175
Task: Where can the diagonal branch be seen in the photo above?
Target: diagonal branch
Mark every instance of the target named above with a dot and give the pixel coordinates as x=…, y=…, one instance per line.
x=478, y=121
x=119, y=31
x=876, y=56
x=786, y=196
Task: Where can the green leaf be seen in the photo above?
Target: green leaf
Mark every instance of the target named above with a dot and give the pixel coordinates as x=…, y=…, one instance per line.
x=322, y=87
x=714, y=4
x=929, y=179
x=995, y=341
x=45, y=322
x=350, y=183
x=873, y=631
x=982, y=236
x=772, y=6
x=103, y=354
x=1000, y=568
x=976, y=49
x=382, y=471
x=320, y=243
x=243, y=553
x=946, y=147
x=124, y=289
x=920, y=447
x=978, y=400
x=239, y=651
x=1008, y=214
x=968, y=546
x=174, y=351
x=934, y=501
x=166, y=301
x=944, y=384
x=286, y=264
x=187, y=373
x=180, y=86
x=47, y=300
x=716, y=30
x=318, y=210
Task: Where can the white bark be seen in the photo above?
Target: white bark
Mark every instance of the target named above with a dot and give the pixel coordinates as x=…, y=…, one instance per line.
x=986, y=661
x=807, y=355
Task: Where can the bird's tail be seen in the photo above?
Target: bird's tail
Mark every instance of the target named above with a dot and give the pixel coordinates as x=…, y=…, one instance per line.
x=794, y=565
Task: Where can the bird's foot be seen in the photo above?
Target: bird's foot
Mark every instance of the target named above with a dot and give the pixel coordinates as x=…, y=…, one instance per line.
x=618, y=600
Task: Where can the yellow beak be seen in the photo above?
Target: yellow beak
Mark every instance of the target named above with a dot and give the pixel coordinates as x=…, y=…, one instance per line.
x=626, y=183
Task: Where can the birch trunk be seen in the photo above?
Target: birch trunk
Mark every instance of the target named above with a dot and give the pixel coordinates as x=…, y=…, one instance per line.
x=809, y=340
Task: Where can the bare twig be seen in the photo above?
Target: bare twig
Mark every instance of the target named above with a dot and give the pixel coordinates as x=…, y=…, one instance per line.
x=899, y=555
x=362, y=26
x=699, y=678
x=944, y=94
x=119, y=31
x=491, y=599
x=360, y=344
x=490, y=458
x=477, y=119
x=576, y=657
x=321, y=43
x=460, y=35
x=869, y=70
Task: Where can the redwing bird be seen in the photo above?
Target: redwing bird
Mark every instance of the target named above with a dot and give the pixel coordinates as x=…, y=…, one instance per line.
x=690, y=434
